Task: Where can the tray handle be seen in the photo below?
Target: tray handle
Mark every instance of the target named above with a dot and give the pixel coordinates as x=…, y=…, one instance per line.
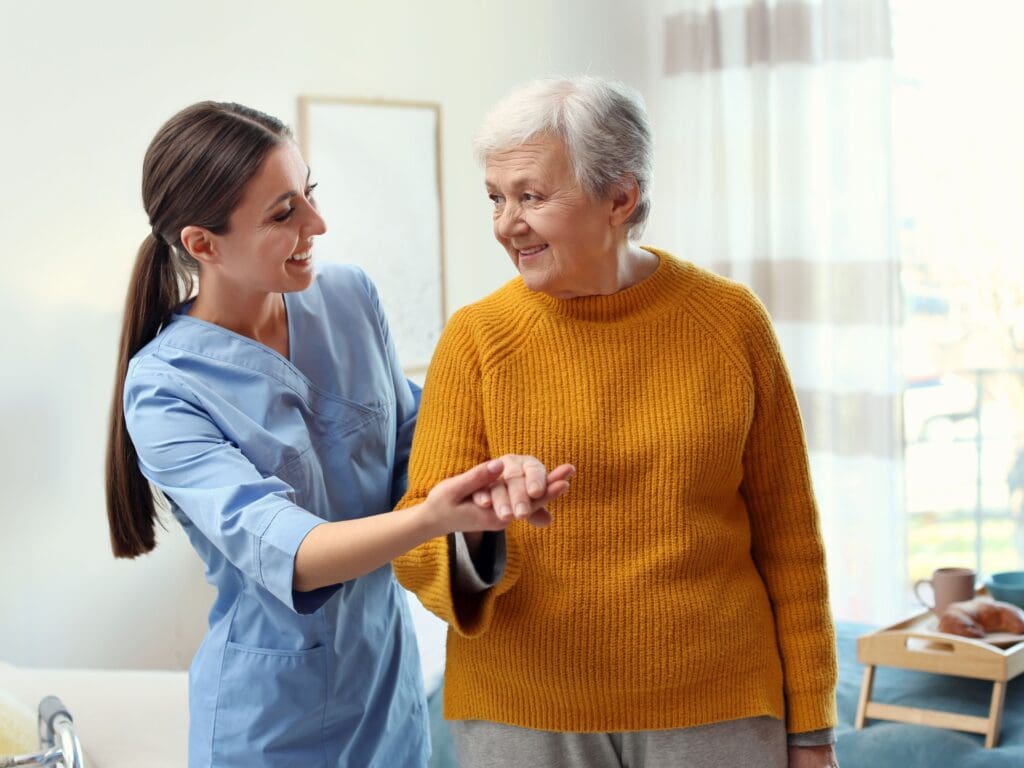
x=927, y=643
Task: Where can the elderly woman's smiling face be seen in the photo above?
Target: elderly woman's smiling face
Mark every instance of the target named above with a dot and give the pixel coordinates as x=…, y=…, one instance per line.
x=562, y=241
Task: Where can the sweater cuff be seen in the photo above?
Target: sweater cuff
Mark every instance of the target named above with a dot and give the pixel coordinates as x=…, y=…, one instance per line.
x=819, y=738
x=811, y=710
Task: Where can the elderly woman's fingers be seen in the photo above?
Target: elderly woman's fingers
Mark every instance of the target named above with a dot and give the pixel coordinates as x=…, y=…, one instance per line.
x=554, y=490
x=482, y=498
x=541, y=515
x=513, y=496
x=541, y=518
x=561, y=472
x=536, y=477
x=500, y=500
x=519, y=497
x=528, y=468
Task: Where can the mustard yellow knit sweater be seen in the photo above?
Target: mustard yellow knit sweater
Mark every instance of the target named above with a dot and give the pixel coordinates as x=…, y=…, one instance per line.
x=683, y=580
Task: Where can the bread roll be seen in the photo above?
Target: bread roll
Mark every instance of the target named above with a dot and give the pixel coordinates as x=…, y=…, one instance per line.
x=979, y=617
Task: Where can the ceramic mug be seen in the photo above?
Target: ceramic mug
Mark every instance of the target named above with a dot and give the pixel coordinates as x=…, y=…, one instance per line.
x=949, y=585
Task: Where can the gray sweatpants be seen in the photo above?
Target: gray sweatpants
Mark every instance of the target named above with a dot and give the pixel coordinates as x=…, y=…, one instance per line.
x=756, y=742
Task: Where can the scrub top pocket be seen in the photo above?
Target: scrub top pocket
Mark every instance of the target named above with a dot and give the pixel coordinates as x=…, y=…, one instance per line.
x=270, y=703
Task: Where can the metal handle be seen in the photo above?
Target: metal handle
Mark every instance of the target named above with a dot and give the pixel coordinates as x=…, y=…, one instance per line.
x=60, y=747
x=47, y=758
x=50, y=709
x=70, y=749
x=56, y=731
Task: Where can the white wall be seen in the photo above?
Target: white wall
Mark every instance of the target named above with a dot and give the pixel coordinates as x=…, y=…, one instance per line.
x=85, y=86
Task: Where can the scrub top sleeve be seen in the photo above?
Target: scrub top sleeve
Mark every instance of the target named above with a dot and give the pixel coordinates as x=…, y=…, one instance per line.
x=408, y=407
x=249, y=518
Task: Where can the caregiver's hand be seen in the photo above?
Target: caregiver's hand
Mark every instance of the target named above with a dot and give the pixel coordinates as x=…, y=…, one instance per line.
x=523, y=481
x=335, y=552
x=813, y=757
x=452, y=503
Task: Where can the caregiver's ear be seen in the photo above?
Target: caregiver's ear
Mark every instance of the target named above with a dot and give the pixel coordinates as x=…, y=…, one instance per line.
x=200, y=244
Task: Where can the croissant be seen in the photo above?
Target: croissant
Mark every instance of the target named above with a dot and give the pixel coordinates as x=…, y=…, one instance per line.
x=978, y=617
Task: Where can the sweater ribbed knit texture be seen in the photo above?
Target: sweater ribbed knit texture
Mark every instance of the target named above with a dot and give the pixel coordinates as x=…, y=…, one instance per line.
x=683, y=579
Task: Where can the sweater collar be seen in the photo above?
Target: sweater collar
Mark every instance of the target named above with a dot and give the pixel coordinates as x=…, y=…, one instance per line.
x=656, y=293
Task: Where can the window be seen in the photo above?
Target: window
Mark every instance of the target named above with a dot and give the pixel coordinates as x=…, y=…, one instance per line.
x=959, y=179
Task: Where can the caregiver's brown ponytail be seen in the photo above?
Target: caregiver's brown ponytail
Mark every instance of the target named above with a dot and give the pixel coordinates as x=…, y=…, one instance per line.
x=194, y=174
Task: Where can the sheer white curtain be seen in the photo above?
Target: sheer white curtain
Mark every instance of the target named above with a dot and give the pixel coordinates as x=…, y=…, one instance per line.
x=778, y=168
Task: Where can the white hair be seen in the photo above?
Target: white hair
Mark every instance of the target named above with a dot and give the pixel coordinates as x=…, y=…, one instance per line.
x=602, y=123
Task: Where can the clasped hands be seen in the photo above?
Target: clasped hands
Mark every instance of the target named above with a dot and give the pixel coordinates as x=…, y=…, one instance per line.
x=493, y=495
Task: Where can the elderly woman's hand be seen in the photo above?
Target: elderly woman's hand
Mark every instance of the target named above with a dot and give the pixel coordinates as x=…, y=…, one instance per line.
x=813, y=757
x=454, y=504
x=523, y=482
x=523, y=492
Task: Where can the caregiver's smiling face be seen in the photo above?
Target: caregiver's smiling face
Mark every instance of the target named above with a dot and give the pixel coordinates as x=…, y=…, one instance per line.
x=268, y=242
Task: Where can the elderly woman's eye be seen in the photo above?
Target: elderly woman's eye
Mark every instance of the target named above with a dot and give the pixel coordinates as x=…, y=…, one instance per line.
x=284, y=216
x=309, y=191
x=496, y=199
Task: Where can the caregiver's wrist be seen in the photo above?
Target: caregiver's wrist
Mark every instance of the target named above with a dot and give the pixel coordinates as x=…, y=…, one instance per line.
x=431, y=520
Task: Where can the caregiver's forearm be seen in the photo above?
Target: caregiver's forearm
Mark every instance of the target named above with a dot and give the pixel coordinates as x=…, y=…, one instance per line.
x=336, y=552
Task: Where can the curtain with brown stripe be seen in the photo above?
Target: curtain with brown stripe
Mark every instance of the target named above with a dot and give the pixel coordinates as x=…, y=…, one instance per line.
x=779, y=166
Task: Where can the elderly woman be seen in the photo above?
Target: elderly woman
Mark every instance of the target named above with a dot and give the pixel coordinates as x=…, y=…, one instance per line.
x=676, y=612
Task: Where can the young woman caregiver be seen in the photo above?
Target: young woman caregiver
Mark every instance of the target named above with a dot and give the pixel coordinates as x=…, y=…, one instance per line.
x=272, y=413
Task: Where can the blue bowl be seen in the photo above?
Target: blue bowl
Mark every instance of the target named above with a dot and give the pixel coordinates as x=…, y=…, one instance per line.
x=1009, y=578
x=1007, y=593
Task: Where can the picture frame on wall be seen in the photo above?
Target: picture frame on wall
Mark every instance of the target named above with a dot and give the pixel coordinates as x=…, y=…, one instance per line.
x=377, y=166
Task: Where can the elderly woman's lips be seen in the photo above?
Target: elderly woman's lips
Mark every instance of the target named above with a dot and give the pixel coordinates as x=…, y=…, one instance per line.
x=532, y=250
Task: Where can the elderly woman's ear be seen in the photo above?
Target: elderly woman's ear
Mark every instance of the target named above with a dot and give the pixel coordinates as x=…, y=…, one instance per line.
x=624, y=200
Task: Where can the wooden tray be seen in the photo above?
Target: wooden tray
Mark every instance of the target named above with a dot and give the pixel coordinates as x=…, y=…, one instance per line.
x=915, y=643
x=929, y=625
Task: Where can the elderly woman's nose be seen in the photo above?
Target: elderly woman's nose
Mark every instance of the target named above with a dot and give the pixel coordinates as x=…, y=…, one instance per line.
x=509, y=222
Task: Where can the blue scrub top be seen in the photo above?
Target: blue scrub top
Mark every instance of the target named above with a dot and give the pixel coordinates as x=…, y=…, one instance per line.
x=254, y=450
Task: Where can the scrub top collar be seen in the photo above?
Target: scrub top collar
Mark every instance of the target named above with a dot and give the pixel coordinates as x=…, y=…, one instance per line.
x=218, y=342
